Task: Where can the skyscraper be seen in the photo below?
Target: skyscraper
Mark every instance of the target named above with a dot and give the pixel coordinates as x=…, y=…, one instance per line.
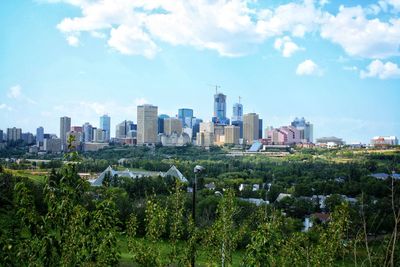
x=65, y=127
x=161, y=119
x=237, y=112
x=105, y=124
x=250, y=128
x=122, y=129
x=260, y=128
x=220, y=109
x=195, y=127
x=172, y=125
x=14, y=134
x=40, y=135
x=305, y=128
x=87, y=132
x=232, y=134
x=186, y=117
x=147, y=124
x=1, y=136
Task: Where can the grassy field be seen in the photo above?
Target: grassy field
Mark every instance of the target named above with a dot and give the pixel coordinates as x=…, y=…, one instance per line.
x=37, y=176
x=165, y=248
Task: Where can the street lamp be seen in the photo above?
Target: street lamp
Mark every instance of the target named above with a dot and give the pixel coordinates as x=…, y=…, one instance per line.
x=218, y=193
x=198, y=169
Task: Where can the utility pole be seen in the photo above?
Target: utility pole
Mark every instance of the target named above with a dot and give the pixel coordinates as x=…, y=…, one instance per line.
x=197, y=169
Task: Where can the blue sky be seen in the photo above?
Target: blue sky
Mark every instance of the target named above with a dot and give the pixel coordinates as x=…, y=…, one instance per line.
x=334, y=62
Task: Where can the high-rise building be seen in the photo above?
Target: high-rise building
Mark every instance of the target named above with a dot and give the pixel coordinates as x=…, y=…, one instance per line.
x=161, y=119
x=260, y=129
x=205, y=137
x=99, y=135
x=105, y=124
x=219, y=133
x=172, y=125
x=28, y=138
x=250, y=128
x=305, y=128
x=1, y=136
x=87, y=132
x=40, y=135
x=122, y=129
x=14, y=134
x=147, y=124
x=186, y=117
x=232, y=134
x=285, y=135
x=207, y=127
x=65, y=127
x=220, y=109
x=195, y=127
x=237, y=114
x=52, y=145
x=240, y=125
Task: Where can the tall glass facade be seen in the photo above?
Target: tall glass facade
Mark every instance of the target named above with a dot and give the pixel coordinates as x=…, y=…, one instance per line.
x=186, y=116
x=237, y=113
x=105, y=124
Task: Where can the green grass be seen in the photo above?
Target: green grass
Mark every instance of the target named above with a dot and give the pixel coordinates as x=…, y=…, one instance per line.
x=39, y=178
x=165, y=248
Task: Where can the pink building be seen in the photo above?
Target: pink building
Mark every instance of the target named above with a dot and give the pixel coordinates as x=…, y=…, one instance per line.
x=285, y=135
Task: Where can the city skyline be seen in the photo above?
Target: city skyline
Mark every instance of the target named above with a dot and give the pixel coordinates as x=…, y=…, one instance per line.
x=52, y=66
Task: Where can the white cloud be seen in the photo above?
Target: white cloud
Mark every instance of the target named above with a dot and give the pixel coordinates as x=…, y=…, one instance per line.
x=73, y=40
x=132, y=41
x=231, y=27
x=286, y=46
x=381, y=70
x=359, y=36
x=14, y=92
x=308, y=67
x=294, y=18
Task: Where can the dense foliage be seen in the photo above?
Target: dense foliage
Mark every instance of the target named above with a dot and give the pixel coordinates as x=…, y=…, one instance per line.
x=63, y=221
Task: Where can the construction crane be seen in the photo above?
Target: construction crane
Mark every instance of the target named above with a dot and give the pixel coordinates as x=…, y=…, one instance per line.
x=216, y=87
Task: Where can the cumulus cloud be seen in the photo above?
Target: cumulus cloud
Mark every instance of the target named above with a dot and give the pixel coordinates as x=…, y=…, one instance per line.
x=308, y=67
x=286, y=46
x=231, y=27
x=132, y=41
x=378, y=69
x=359, y=36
